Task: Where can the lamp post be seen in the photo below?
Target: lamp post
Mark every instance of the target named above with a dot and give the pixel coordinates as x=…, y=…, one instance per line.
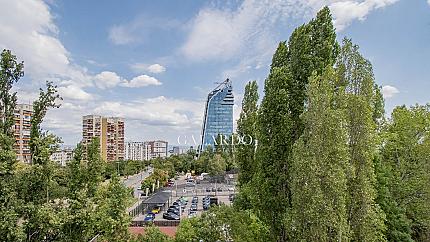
x=117, y=167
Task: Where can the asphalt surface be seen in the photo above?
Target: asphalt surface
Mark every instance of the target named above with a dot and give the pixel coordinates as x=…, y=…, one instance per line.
x=135, y=182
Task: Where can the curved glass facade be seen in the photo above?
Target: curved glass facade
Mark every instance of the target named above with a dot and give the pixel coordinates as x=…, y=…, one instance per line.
x=218, y=118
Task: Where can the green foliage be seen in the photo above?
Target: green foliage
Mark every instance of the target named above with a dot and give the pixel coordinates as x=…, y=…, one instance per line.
x=356, y=76
x=246, y=128
x=319, y=168
x=222, y=224
x=405, y=156
x=10, y=72
x=153, y=234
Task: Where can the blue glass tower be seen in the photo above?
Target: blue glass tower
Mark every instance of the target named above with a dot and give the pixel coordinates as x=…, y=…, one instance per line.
x=218, y=118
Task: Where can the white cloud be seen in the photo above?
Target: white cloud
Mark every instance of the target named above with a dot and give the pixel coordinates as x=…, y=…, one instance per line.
x=345, y=12
x=120, y=35
x=389, y=91
x=428, y=1
x=32, y=36
x=75, y=93
x=141, y=81
x=154, y=68
x=219, y=33
x=107, y=79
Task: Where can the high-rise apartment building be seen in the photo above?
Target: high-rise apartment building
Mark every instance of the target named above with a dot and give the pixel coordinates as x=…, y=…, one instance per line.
x=22, y=116
x=218, y=116
x=110, y=131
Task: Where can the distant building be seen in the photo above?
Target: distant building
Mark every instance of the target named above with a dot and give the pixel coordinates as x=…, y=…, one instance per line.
x=22, y=127
x=218, y=116
x=63, y=156
x=157, y=149
x=110, y=131
x=137, y=151
x=176, y=150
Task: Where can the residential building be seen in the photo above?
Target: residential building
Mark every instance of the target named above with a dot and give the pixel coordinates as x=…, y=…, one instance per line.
x=218, y=116
x=62, y=156
x=157, y=149
x=137, y=151
x=22, y=127
x=110, y=131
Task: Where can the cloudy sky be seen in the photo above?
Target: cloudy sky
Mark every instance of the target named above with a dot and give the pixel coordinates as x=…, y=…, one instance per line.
x=153, y=62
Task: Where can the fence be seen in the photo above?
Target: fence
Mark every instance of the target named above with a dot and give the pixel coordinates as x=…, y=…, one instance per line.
x=138, y=210
x=158, y=223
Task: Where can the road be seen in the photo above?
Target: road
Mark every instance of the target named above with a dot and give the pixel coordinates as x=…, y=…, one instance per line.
x=135, y=181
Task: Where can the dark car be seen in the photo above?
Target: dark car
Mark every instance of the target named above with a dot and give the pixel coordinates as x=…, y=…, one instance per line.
x=219, y=189
x=213, y=189
x=208, y=189
x=172, y=210
x=149, y=217
x=231, y=197
x=170, y=216
x=193, y=207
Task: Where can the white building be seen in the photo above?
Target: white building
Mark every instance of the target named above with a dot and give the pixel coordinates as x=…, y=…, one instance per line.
x=158, y=149
x=137, y=151
x=62, y=157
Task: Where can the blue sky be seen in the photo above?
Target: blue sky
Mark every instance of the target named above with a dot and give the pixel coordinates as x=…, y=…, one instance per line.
x=153, y=62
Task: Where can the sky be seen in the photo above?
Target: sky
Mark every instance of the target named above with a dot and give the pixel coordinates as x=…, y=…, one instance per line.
x=154, y=62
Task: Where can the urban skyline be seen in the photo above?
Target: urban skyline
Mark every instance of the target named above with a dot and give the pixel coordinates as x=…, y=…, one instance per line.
x=170, y=75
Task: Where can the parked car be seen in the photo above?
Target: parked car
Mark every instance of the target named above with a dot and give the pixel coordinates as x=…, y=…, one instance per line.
x=149, y=217
x=193, y=207
x=213, y=189
x=231, y=197
x=156, y=209
x=170, y=216
x=208, y=189
x=219, y=189
x=172, y=210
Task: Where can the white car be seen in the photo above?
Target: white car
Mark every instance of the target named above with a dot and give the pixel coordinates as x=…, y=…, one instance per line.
x=231, y=189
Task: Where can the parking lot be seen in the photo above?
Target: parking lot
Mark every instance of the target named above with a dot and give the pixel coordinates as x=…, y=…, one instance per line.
x=187, y=191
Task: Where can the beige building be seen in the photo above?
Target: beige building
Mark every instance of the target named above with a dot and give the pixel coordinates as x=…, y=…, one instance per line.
x=157, y=148
x=22, y=127
x=110, y=131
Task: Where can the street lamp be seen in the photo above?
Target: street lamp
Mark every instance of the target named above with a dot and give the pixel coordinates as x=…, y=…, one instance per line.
x=117, y=167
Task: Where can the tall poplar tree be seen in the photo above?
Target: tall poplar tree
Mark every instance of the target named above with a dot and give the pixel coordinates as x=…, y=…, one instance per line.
x=246, y=130
x=311, y=48
x=320, y=165
x=10, y=72
x=364, y=215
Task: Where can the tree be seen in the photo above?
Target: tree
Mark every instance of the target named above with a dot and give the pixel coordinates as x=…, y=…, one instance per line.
x=320, y=166
x=152, y=234
x=356, y=75
x=310, y=49
x=223, y=224
x=111, y=215
x=10, y=72
x=406, y=156
x=246, y=130
x=94, y=166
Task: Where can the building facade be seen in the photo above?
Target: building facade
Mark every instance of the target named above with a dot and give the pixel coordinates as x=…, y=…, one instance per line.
x=110, y=131
x=157, y=149
x=136, y=151
x=22, y=127
x=218, y=116
x=63, y=156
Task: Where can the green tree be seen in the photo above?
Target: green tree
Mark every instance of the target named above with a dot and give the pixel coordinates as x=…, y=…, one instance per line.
x=246, y=130
x=10, y=72
x=153, y=234
x=111, y=215
x=319, y=167
x=222, y=224
x=310, y=49
x=406, y=155
x=356, y=75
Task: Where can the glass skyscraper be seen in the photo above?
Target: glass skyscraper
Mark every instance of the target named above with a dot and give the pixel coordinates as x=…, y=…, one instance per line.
x=218, y=118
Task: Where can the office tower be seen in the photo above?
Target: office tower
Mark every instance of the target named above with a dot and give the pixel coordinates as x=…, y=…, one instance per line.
x=137, y=151
x=218, y=116
x=176, y=150
x=110, y=131
x=23, y=114
x=158, y=149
